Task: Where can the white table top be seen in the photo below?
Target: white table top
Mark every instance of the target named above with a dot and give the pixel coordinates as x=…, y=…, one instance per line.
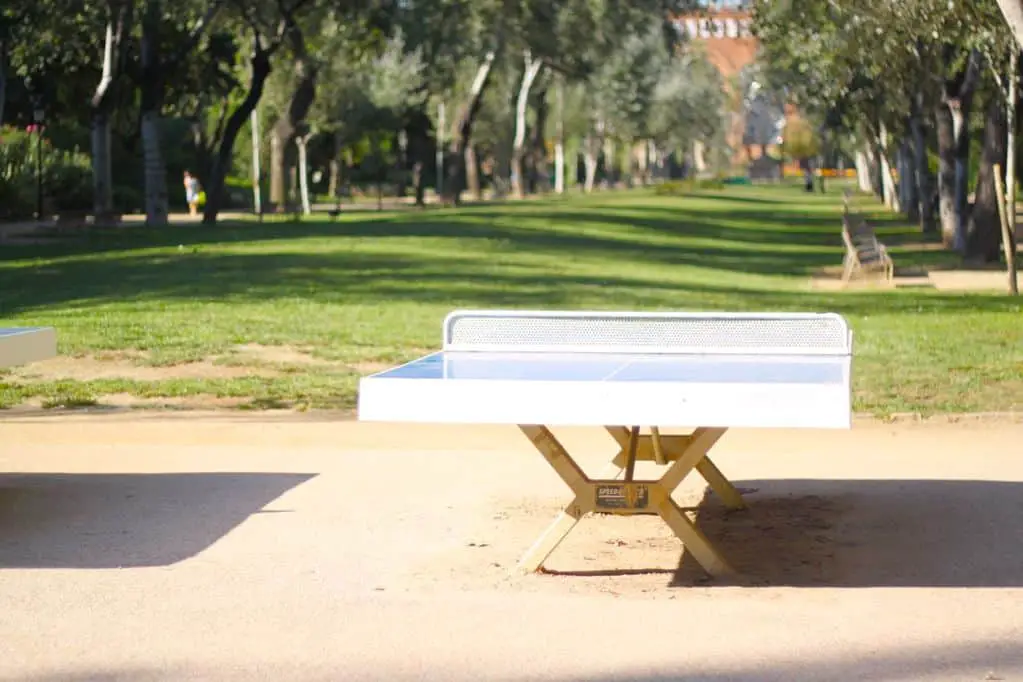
x=613, y=389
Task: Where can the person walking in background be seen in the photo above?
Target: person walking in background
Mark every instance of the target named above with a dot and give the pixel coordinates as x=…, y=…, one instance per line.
x=192, y=193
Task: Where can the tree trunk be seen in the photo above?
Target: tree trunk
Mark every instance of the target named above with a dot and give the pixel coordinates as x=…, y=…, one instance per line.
x=458, y=172
x=417, y=133
x=222, y=161
x=156, y=200
x=559, y=142
x=400, y=164
x=957, y=96
x=946, y=174
x=439, y=161
x=961, y=128
x=891, y=200
x=3, y=78
x=303, y=173
x=333, y=181
x=925, y=191
x=610, y=163
x=539, y=180
x=278, y=174
x=590, y=147
x=699, y=156
x=863, y=173
x=1009, y=237
x=530, y=71
x=908, y=185
x=257, y=174
x=292, y=123
x=984, y=232
x=472, y=174
x=102, y=104
x=652, y=160
x=151, y=87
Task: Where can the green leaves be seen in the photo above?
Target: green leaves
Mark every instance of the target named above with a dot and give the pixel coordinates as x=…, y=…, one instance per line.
x=863, y=56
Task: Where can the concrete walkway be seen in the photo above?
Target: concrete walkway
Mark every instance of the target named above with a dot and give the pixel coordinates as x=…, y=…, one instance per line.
x=291, y=547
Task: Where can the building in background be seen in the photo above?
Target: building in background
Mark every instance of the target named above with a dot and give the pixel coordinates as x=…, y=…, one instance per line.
x=756, y=117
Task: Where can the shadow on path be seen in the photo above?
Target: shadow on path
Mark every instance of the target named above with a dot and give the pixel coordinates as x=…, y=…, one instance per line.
x=126, y=520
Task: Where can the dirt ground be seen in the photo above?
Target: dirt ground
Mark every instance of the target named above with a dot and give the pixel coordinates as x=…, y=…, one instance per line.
x=155, y=546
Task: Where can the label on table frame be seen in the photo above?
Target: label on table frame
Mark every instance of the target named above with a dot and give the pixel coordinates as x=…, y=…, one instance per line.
x=615, y=495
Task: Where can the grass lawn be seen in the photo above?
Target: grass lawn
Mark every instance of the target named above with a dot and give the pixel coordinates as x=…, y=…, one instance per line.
x=180, y=313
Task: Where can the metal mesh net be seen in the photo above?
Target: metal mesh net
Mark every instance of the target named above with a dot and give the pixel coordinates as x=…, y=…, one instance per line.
x=650, y=333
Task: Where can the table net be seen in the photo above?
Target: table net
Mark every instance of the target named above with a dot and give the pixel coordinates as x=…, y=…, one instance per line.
x=707, y=333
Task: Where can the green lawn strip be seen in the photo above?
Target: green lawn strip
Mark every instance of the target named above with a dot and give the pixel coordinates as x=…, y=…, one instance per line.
x=372, y=290
x=316, y=390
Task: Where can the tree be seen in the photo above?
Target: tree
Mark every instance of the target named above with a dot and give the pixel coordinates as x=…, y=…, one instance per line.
x=268, y=27
x=160, y=30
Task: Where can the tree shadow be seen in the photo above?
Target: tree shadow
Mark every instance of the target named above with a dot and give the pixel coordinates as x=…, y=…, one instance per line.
x=867, y=533
x=369, y=277
x=475, y=255
x=961, y=660
x=125, y=520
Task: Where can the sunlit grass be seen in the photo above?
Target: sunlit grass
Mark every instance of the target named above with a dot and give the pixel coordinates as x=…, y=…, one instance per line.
x=374, y=287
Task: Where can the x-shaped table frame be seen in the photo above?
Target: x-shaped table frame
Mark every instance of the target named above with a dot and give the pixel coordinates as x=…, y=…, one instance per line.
x=607, y=494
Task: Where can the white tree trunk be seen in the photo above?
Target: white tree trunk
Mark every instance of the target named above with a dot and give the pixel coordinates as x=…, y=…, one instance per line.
x=699, y=156
x=529, y=74
x=257, y=197
x=155, y=171
x=643, y=162
x=559, y=144
x=652, y=154
x=863, y=172
x=303, y=174
x=891, y=199
x=102, y=164
x=590, y=163
x=559, y=167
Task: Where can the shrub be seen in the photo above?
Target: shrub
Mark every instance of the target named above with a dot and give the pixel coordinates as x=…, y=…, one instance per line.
x=66, y=175
x=688, y=186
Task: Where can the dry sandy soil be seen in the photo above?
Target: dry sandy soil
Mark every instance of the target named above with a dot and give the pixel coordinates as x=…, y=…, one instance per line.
x=282, y=546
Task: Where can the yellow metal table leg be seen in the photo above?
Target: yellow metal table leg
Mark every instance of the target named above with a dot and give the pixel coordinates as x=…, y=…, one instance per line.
x=720, y=485
x=534, y=557
x=666, y=449
x=702, y=441
x=695, y=542
x=684, y=454
x=559, y=459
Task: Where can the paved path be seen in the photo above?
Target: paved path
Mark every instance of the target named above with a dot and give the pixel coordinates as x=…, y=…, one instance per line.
x=232, y=547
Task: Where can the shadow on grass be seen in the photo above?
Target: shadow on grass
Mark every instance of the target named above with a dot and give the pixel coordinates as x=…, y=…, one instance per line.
x=367, y=278
x=553, y=229
x=477, y=255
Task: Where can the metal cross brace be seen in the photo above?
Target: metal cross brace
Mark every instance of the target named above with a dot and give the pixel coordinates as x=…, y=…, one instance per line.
x=681, y=454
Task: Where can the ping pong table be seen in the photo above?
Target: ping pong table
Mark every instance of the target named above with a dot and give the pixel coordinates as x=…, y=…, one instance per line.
x=25, y=345
x=700, y=373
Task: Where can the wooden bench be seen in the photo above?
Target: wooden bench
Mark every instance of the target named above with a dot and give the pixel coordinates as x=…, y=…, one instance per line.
x=863, y=251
